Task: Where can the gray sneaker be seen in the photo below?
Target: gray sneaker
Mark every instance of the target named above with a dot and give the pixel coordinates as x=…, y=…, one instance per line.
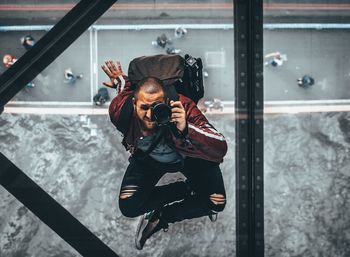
x=213, y=216
x=149, y=224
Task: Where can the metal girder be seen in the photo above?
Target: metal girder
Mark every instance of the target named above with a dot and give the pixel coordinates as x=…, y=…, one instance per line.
x=50, y=46
x=249, y=99
x=51, y=212
x=45, y=51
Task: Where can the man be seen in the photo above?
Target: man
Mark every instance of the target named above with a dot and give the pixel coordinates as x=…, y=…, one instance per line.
x=101, y=97
x=203, y=192
x=8, y=61
x=306, y=81
x=70, y=77
x=28, y=42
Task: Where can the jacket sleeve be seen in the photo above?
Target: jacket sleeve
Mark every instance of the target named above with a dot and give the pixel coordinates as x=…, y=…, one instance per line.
x=201, y=140
x=124, y=90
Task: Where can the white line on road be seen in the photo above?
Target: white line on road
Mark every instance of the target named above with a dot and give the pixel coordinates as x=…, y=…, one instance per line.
x=187, y=26
x=60, y=111
x=268, y=109
x=297, y=102
x=96, y=60
x=306, y=109
x=225, y=103
x=91, y=68
x=308, y=102
x=162, y=26
x=51, y=103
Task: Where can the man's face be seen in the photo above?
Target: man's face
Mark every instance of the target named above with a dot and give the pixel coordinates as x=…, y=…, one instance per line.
x=143, y=107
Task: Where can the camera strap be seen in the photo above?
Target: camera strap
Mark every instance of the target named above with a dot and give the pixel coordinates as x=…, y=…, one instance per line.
x=158, y=136
x=157, y=151
x=171, y=93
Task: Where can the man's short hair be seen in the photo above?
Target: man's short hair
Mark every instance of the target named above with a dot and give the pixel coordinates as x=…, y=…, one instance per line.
x=150, y=85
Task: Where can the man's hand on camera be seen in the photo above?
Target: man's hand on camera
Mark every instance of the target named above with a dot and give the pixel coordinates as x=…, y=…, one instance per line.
x=178, y=115
x=112, y=71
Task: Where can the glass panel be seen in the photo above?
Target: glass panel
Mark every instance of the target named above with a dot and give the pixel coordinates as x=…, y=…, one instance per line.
x=77, y=157
x=51, y=85
x=23, y=234
x=23, y=23
x=306, y=128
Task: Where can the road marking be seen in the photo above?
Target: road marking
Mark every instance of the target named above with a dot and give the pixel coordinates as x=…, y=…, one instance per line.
x=268, y=109
x=91, y=68
x=298, y=102
x=228, y=26
x=306, y=109
x=49, y=103
x=96, y=60
x=59, y=111
x=309, y=102
x=119, y=6
x=176, y=6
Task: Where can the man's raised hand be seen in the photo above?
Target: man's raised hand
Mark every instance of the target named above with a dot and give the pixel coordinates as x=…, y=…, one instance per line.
x=112, y=71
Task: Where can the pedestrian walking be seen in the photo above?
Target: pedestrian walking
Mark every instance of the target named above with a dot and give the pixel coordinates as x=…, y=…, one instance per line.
x=28, y=42
x=8, y=61
x=162, y=41
x=173, y=50
x=306, y=81
x=275, y=59
x=101, y=97
x=70, y=77
x=180, y=32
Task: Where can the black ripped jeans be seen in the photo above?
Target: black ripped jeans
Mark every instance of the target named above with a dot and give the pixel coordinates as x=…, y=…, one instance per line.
x=176, y=201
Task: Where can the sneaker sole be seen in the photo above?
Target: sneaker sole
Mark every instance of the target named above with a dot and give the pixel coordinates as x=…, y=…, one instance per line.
x=142, y=224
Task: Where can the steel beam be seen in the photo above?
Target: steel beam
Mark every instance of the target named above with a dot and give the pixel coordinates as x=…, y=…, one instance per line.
x=44, y=52
x=51, y=212
x=50, y=46
x=248, y=23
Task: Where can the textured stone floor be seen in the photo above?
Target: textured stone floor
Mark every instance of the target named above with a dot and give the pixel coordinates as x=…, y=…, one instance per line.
x=79, y=161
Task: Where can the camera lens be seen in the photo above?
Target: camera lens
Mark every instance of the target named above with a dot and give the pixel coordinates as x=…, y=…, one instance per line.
x=161, y=113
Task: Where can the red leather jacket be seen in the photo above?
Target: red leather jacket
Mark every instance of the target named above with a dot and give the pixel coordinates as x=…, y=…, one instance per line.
x=201, y=140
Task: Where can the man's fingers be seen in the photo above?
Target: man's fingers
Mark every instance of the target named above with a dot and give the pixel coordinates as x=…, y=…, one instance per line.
x=119, y=66
x=106, y=70
x=111, y=69
x=178, y=114
x=109, y=65
x=113, y=66
x=177, y=104
x=176, y=117
x=177, y=110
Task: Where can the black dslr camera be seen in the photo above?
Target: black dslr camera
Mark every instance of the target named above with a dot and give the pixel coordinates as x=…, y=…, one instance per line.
x=161, y=114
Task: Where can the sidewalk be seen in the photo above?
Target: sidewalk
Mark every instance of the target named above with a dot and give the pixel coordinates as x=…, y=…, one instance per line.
x=47, y=12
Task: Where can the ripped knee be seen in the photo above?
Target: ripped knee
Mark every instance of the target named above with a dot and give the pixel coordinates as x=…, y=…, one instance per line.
x=127, y=191
x=128, y=202
x=218, y=202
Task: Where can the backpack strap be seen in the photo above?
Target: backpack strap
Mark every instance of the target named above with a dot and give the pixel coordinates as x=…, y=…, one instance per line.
x=171, y=93
x=125, y=116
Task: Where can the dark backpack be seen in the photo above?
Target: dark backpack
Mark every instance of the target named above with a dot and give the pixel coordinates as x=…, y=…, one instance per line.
x=179, y=74
x=185, y=74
